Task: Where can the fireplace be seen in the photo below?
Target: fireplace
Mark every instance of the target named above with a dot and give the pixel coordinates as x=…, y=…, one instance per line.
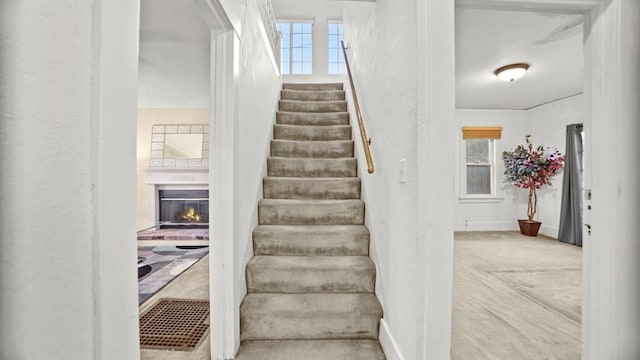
x=180, y=209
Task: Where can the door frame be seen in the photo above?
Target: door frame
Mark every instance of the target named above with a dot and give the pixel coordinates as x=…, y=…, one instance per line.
x=602, y=81
x=224, y=333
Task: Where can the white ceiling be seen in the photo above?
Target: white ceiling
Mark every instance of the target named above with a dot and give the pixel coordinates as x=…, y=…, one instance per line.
x=488, y=39
x=174, y=55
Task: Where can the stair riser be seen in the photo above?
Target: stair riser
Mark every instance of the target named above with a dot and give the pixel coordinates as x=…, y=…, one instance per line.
x=313, y=87
x=313, y=106
x=314, y=119
x=312, y=95
x=313, y=278
x=307, y=326
x=290, y=167
x=349, y=213
x=289, y=241
x=312, y=149
x=291, y=188
x=288, y=321
x=311, y=247
x=311, y=133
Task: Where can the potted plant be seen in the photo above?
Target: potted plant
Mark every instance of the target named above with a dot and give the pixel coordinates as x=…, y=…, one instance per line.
x=530, y=167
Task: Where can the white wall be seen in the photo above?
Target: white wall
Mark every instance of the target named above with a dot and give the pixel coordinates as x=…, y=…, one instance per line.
x=510, y=203
x=320, y=11
x=547, y=125
x=67, y=144
x=145, y=214
x=258, y=86
x=378, y=46
x=611, y=317
x=410, y=243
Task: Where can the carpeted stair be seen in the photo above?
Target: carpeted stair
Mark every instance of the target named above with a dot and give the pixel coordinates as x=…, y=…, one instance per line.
x=310, y=284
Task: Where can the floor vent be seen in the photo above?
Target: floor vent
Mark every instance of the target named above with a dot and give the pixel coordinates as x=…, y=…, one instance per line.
x=174, y=324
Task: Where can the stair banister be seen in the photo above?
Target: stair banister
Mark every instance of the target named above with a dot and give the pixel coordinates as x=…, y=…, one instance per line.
x=366, y=142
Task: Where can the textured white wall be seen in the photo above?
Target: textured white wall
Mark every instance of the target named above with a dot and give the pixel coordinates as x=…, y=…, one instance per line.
x=611, y=318
x=320, y=11
x=379, y=46
x=145, y=214
x=258, y=86
x=67, y=144
x=411, y=223
x=547, y=125
x=499, y=214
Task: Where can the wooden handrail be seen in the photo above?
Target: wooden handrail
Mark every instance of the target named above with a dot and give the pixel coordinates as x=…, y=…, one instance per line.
x=366, y=142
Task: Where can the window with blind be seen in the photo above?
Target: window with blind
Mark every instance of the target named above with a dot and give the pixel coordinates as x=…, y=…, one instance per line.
x=478, y=175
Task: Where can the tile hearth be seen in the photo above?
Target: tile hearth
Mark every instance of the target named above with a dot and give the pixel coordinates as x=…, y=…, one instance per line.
x=174, y=234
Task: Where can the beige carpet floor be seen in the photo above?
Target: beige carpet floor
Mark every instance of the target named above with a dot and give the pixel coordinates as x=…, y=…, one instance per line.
x=191, y=284
x=516, y=297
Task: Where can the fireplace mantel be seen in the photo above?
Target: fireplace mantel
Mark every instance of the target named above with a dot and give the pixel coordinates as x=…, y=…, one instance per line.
x=168, y=176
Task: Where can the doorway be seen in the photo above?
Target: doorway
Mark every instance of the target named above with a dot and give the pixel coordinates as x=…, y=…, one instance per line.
x=173, y=146
x=512, y=297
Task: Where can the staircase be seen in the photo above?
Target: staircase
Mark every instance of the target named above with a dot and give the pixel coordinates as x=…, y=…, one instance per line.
x=311, y=282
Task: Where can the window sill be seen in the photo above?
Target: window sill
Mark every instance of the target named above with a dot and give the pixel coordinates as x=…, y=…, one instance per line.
x=472, y=200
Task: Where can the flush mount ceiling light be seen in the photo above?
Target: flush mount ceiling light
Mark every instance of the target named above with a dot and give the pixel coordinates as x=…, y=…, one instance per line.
x=511, y=72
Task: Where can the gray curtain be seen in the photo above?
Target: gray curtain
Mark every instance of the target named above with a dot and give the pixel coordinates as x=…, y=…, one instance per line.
x=571, y=212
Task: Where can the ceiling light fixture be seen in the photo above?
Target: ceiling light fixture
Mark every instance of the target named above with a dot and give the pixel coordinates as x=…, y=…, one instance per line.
x=511, y=72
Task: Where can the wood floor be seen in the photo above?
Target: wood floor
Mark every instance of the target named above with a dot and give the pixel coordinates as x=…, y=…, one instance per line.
x=516, y=297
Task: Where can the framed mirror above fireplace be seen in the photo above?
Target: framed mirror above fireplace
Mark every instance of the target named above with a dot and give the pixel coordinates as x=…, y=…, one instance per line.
x=181, y=146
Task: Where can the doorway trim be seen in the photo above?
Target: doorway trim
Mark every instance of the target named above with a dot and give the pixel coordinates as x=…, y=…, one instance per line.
x=224, y=315
x=602, y=53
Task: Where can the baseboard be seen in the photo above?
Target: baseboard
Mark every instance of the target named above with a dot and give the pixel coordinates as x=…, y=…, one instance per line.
x=487, y=226
x=389, y=345
x=549, y=231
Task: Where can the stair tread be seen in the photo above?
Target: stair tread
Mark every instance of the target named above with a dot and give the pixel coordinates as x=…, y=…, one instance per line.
x=353, y=349
x=314, y=228
x=312, y=262
x=305, y=202
x=312, y=86
x=313, y=142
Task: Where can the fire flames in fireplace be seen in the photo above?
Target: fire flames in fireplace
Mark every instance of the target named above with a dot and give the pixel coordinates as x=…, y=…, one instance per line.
x=190, y=215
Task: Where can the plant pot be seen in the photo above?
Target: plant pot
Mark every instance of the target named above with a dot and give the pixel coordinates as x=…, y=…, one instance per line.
x=529, y=228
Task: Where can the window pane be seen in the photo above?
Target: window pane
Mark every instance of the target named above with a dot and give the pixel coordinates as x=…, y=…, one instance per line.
x=285, y=68
x=478, y=179
x=297, y=28
x=306, y=68
x=333, y=57
x=306, y=40
x=478, y=151
x=297, y=54
x=334, y=68
x=297, y=40
x=306, y=54
x=306, y=28
x=333, y=42
x=297, y=68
